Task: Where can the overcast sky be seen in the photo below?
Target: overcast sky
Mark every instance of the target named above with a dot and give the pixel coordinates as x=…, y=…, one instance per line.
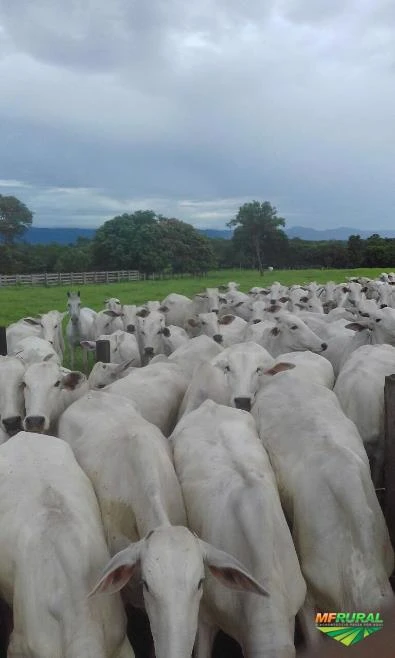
x=192, y=108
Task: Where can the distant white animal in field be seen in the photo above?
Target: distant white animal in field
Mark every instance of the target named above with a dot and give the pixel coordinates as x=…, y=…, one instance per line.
x=81, y=326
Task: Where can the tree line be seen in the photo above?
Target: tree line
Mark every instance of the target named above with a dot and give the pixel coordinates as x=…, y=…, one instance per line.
x=149, y=242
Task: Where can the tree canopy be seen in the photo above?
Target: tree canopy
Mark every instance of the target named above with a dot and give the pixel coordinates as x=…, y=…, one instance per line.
x=257, y=231
x=15, y=218
x=151, y=243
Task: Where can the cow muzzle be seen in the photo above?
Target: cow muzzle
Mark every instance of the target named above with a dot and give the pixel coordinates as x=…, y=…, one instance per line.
x=12, y=425
x=243, y=403
x=35, y=424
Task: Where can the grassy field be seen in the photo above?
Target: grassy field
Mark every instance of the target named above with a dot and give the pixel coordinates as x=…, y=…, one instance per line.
x=18, y=301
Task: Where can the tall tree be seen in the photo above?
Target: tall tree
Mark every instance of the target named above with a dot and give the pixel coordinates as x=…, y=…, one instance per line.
x=15, y=218
x=356, y=250
x=257, y=229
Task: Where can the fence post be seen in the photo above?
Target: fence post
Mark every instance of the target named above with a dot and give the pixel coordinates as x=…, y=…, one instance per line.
x=389, y=459
x=103, y=353
x=3, y=341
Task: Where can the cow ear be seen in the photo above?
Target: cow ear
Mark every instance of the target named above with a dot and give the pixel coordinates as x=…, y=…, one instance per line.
x=345, y=289
x=275, y=331
x=355, y=326
x=72, y=380
x=284, y=299
x=112, y=314
x=274, y=308
x=229, y=571
x=88, y=345
x=143, y=313
x=163, y=309
x=279, y=367
x=124, y=566
x=226, y=319
x=192, y=322
x=124, y=365
x=223, y=300
x=239, y=304
x=33, y=321
x=166, y=332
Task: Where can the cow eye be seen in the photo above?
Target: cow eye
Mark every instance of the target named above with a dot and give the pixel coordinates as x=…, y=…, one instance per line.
x=23, y=385
x=203, y=322
x=378, y=320
x=259, y=370
x=145, y=586
x=58, y=383
x=227, y=369
x=200, y=585
x=295, y=326
x=56, y=326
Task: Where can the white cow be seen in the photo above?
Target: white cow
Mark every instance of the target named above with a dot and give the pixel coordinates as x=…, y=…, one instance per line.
x=360, y=389
x=156, y=391
x=123, y=347
x=49, y=390
x=52, y=547
x=310, y=366
x=113, y=304
x=12, y=403
x=230, y=378
x=33, y=349
x=323, y=476
x=129, y=312
x=232, y=501
x=129, y=462
x=176, y=309
x=81, y=326
x=106, y=322
x=193, y=353
x=173, y=337
x=47, y=326
x=103, y=374
x=290, y=334
x=149, y=330
x=225, y=329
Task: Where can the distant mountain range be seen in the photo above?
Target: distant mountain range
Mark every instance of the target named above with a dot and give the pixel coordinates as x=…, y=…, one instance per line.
x=38, y=235
x=341, y=233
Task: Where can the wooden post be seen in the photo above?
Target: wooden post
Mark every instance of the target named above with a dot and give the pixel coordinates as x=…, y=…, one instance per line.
x=389, y=459
x=3, y=341
x=103, y=353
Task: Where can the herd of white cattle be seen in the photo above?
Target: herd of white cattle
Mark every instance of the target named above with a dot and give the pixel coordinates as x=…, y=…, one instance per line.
x=220, y=471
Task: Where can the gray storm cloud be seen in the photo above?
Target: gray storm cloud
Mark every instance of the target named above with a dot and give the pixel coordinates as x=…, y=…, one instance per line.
x=192, y=108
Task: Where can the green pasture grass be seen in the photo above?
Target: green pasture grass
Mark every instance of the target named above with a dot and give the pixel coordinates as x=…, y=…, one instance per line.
x=19, y=301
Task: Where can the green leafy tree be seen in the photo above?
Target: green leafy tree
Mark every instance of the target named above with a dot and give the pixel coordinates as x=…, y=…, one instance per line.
x=15, y=218
x=186, y=248
x=257, y=228
x=151, y=243
x=356, y=250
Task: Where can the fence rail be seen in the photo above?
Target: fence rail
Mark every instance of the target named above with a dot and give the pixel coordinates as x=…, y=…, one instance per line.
x=69, y=278
x=81, y=278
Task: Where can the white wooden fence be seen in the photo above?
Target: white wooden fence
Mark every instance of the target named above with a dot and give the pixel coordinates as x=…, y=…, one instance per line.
x=69, y=278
